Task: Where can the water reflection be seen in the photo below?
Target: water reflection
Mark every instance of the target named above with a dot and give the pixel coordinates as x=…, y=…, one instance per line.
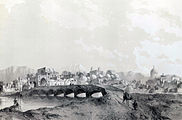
x=35, y=102
x=6, y=102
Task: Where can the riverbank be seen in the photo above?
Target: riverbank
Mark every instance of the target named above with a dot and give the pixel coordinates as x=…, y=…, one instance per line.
x=109, y=107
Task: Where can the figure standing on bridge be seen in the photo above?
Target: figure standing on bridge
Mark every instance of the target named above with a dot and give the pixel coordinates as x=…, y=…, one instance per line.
x=16, y=102
x=135, y=105
x=126, y=96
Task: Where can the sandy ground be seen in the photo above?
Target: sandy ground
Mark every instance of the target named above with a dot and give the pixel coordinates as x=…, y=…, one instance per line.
x=110, y=107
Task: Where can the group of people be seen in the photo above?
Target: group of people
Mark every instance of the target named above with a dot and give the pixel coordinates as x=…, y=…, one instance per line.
x=127, y=96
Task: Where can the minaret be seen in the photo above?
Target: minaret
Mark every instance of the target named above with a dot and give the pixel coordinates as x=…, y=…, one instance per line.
x=153, y=73
x=91, y=68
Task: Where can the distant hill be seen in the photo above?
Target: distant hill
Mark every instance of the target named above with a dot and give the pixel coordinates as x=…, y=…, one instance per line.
x=11, y=73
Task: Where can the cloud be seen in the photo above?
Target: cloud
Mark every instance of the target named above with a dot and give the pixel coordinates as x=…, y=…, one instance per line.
x=9, y=4
x=153, y=23
x=162, y=56
x=165, y=57
x=172, y=7
x=101, y=51
x=73, y=14
x=159, y=19
x=90, y=48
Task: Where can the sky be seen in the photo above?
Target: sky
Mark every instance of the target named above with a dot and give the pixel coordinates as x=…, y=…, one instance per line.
x=122, y=35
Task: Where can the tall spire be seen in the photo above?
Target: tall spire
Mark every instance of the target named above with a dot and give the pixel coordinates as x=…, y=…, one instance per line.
x=153, y=72
x=91, y=68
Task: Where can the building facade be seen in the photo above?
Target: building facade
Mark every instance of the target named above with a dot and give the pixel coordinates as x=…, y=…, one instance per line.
x=47, y=77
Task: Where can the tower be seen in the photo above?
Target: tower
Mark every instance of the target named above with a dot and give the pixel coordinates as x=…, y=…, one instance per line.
x=153, y=73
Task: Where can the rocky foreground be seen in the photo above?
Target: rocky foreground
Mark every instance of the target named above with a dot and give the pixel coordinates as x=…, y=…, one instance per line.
x=110, y=107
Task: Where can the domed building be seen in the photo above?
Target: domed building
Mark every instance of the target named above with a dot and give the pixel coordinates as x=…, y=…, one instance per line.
x=153, y=73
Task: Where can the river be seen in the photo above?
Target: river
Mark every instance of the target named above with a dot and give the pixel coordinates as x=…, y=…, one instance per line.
x=31, y=103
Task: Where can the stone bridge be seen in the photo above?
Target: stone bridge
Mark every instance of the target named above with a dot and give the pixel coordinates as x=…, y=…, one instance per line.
x=64, y=91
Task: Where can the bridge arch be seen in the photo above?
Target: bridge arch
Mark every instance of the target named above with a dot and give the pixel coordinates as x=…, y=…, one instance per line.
x=80, y=91
x=68, y=91
x=179, y=85
x=50, y=93
x=34, y=92
x=59, y=93
x=42, y=93
x=100, y=92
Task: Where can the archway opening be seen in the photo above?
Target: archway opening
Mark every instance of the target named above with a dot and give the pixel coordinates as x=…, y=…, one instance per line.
x=43, y=82
x=34, y=84
x=81, y=93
